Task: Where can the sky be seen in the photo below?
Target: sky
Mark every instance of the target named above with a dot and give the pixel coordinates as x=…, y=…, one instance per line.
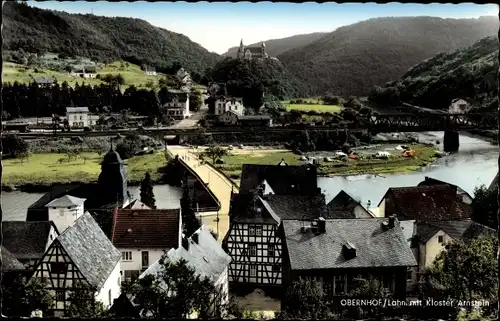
x=221, y=25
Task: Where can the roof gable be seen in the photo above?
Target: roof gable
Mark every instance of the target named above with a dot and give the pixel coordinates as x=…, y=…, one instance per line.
x=77, y=109
x=205, y=256
x=66, y=201
x=375, y=246
x=157, y=228
x=26, y=240
x=90, y=250
x=428, y=203
x=342, y=206
x=461, y=229
x=284, y=180
x=137, y=205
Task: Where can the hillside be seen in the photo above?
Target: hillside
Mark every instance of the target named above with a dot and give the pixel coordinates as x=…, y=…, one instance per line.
x=354, y=58
x=108, y=39
x=275, y=47
x=252, y=79
x=470, y=73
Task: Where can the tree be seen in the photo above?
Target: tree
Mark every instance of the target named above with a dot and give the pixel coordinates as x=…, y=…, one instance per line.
x=189, y=221
x=367, y=289
x=485, y=206
x=147, y=194
x=83, y=303
x=176, y=291
x=14, y=145
x=464, y=271
x=214, y=153
x=20, y=298
x=195, y=100
x=304, y=299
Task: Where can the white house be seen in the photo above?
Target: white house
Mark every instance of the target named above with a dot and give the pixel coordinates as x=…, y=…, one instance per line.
x=82, y=254
x=28, y=241
x=150, y=71
x=78, y=117
x=64, y=211
x=459, y=106
x=143, y=236
x=202, y=253
x=84, y=72
x=225, y=104
x=178, y=105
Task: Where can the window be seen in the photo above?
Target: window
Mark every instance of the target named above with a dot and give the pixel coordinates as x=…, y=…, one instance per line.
x=339, y=284
x=119, y=281
x=252, y=250
x=127, y=256
x=131, y=275
x=60, y=295
x=51, y=237
x=58, y=268
x=251, y=230
x=440, y=239
x=81, y=117
x=258, y=230
x=253, y=270
x=276, y=268
x=270, y=250
x=409, y=275
x=109, y=297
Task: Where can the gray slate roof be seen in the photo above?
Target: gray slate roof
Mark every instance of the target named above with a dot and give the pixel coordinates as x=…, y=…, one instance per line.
x=90, y=249
x=66, y=201
x=77, y=109
x=206, y=257
x=9, y=261
x=26, y=240
x=455, y=229
x=375, y=246
x=342, y=206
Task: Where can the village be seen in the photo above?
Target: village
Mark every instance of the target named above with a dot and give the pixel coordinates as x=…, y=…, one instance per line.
x=258, y=237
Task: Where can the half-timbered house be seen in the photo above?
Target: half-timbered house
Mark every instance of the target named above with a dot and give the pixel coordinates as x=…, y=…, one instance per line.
x=143, y=236
x=338, y=253
x=268, y=194
x=84, y=254
x=28, y=241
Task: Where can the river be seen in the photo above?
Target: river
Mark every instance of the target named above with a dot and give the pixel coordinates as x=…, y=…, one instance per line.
x=475, y=164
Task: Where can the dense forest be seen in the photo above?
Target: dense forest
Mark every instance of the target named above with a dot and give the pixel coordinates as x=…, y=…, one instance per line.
x=354, y=58
x=254, y=79
x=33, y=30
x=31, y=100
x=275, y=47
x=469, y=73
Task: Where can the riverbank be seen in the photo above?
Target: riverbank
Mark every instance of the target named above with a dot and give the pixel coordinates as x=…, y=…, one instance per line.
x=396, y=162
x=42, y=170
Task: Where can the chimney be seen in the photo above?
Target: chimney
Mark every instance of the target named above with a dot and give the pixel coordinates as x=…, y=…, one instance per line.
x=392, y=221
x=185, y=243
x=318, y=190
x=321, y=225
x=195, y=238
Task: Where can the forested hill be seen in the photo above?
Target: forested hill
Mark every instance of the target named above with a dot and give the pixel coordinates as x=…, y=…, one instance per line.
x=470, y=73
x=354, y=58
x=36, y=30
x=275, y=47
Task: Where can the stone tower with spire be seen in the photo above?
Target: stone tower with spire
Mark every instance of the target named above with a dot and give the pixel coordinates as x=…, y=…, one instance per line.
x=113, y=178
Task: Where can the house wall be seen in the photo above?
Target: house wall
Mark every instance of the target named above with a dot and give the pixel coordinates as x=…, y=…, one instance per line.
x=223, y=283
x=361, y=212
x=251, y=270
x=52, y=236
x=77, y=120
x=412, y=283
x=136, y=263
x=433, y=248
x=111, y=289
x=65, y=217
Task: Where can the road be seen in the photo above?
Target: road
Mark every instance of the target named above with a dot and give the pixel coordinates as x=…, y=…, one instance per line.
x=218, y=184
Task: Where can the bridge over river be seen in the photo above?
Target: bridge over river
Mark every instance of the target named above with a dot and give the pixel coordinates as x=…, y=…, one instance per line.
x=377, y=123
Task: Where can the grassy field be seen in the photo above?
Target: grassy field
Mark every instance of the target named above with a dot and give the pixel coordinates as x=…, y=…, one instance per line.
x=423, y=155
x=313, y=105
x=50, y=168
x=132, y=74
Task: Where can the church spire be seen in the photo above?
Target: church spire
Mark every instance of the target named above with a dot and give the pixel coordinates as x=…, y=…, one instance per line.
x=241, y=42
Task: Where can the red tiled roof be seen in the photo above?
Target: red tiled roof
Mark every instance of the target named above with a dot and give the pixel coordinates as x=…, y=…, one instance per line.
x=146, y=228
x=429, y=203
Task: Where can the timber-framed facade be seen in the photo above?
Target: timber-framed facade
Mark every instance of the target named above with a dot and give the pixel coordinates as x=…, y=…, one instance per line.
x=61, y=274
